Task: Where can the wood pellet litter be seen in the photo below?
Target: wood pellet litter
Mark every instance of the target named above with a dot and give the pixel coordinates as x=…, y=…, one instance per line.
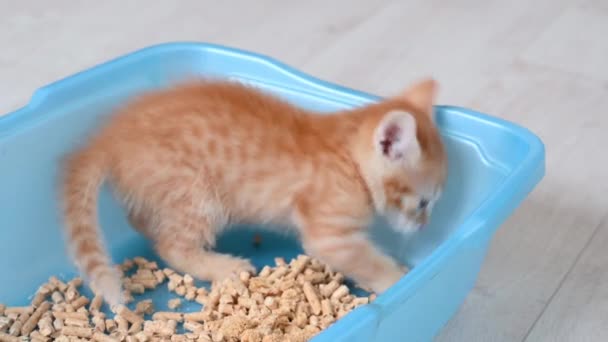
x=289, y=302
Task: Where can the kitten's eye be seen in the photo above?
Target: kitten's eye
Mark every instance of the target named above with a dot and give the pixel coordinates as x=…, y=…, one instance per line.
x=423, y=204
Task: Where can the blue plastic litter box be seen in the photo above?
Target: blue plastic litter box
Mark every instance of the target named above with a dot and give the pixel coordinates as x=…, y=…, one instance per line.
x=494, y=164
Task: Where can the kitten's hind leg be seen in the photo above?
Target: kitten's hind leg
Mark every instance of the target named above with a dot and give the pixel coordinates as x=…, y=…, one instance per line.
x=181, y=244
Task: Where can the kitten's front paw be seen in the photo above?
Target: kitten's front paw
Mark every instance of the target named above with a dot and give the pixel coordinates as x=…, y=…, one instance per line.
x=244, y=265
x=232, y=266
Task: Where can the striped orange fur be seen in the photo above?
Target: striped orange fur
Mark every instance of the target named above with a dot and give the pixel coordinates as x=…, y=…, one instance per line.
x=189, y=160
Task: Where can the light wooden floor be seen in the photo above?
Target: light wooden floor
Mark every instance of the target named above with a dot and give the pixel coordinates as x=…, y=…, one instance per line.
x=541, y=63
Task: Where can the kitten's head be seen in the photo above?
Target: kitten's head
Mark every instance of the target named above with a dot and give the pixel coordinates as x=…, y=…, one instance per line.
x=406, y=164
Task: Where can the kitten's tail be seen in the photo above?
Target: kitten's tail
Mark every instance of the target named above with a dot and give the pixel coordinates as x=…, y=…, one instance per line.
x=84, y=175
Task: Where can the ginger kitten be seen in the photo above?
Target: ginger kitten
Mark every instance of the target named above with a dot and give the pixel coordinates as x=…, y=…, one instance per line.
x=189, y=160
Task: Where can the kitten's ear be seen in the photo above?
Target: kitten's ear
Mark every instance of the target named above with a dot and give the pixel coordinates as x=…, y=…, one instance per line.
x=395, y=137
x=422, y=95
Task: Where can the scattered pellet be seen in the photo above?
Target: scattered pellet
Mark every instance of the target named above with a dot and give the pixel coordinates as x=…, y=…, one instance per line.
x=315, y=278
x=147, y=283
x=160, y=276
x=118, y=335
x=312, y=298
x=100, y=322
x=77, y=331
x=339, y=292
x=251, y=335
x=64, y=315
x=5, y=323
x=195, y=316
x=18, y=310
x=45, y=326
x=9, y=338
x=76, y=322
x=58, y=324
x=101, y=337
x=40, y=296
x=136, y=327
x=175, y=303
x=36, y=336
x=71, y=294
x=57, y=297
x=136, y=288
x=79, y=302
x=265, y=272
x=190, y=293
x=163, y=328
x=96, y=303
x=217, y=336
x=180, y=290
x=166, y=316
x=341, y=313
x=176, y=278
x=141, y=262
x=347, y=299
x=58, y=283
x=226, y=299
x=75, y=282
x=127, y=264
x=193, y=326
x=298, y=265
x=129, y=315
x=244, y=276
x=15, y=329
x=144, y=307
x=278, y=272
x=257, y=297
x=32, y=321
x=110, y=325
x=201, y=299
x=271, y=303
x=339, y=277
x=122, y=325
x=131, y=338
x=313, y=320
x=327, y=307
x=226, y=309
x=179, y=338
x=301, y=319
x=142, y=336
x=171, y=286
x=327, y=290
x=188, y=280
x=278, y=261
x=326, y=321
x=360, y=301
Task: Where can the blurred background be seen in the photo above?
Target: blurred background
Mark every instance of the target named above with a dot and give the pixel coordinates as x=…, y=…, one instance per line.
x=540, y=63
